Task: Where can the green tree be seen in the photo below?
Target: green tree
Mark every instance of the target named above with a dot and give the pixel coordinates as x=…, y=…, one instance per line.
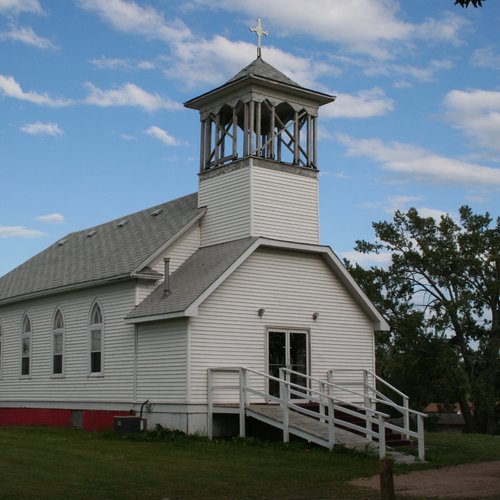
x=409, y=356
x=466, y=3
x=445, y=277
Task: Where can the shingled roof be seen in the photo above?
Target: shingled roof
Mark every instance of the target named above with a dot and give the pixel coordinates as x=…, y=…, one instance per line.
x=261, y=68
x=202, y=273
x=191, y=279
x=109, y=251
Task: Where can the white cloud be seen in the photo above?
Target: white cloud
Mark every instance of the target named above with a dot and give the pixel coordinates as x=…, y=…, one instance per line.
x=420, y=164
x=477, y=114
x=194, y=60
x=127, y=137
x=486, y=57
x=402, y=84
x=20, y=232
x=364, y=104
x=129, y=17
x=209, y=62
x=27, y=36
x=420, y=74
x=362, y=25
x=10, y=88
x=39, y=128
x=368, y=259
x=403, y=203
x=432, y=212
x=376, y=68
x=393, y=203
x=374, y=27
x=446, y=29
x=18, y=6
x=54, y=218
x=123, y=64
x=129, y=94
x=162, y=135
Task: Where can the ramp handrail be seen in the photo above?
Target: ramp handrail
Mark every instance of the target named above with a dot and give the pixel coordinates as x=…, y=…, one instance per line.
x=326, y=396
x=288, y=389
x=371, y=396
x=212, y=387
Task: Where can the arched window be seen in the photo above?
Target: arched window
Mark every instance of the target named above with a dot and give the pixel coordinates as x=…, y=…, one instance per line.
x=96, y=339
x=57, y=343
x=26, y=346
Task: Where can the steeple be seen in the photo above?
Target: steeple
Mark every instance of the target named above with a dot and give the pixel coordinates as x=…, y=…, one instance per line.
x=258, y=157
x=262, y=113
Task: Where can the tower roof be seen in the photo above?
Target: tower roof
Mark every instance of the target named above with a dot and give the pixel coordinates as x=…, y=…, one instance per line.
x=262, y=69
x=262, y=73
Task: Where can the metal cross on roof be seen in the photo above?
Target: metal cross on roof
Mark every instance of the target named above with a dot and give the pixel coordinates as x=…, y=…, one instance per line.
x=259, y=30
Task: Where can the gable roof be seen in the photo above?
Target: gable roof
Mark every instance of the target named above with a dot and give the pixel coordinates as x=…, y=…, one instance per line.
x=107, y=252
x=190, y=280
x=209, y=267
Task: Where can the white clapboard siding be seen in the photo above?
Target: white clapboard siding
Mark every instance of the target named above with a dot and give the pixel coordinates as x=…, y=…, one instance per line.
x=260, y=200
x=285, y=205
x=290, y=286
x=76, y=385
x=178, y=252
x=161, y=362
x=227, y=198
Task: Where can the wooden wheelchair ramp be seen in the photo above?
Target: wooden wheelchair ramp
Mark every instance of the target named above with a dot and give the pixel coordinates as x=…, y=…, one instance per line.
x=337, y=421
x=309, y=428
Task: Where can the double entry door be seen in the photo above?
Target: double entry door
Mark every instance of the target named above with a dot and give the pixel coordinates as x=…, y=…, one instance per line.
x=288, y=349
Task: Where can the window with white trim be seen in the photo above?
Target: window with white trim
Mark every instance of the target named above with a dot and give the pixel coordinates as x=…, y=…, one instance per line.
x=96, y=339
x=26, y=346
x=57, y=343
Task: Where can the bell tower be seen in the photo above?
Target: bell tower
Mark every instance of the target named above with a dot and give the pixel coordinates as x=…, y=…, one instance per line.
x=258, y=157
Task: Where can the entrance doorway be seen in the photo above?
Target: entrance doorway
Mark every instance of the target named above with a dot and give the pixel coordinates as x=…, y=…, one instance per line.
x=288, y=349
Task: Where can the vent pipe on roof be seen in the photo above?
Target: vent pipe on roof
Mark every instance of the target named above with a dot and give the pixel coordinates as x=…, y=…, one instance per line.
x=166, y=261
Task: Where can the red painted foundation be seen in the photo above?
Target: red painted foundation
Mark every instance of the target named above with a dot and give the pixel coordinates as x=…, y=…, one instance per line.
x=92, y=420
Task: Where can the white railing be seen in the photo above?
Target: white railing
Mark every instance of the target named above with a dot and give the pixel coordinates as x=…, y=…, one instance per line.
x=373, y=397
x=214, y=388
x=323, y=393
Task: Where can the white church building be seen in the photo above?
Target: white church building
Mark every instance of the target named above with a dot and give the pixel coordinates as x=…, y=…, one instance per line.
x=168, y=305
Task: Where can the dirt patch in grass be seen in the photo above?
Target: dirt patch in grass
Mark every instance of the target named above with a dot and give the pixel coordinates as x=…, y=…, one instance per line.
x=481, y=480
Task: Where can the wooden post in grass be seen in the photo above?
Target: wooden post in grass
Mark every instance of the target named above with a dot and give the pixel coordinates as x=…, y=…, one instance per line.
x=386, y=480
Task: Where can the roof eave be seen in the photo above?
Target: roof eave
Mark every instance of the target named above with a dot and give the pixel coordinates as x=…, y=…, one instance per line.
x=378, y=321
x=66, y=288
x=156, y=317
x=175, y=237
x=319, y=97
x=335, y=264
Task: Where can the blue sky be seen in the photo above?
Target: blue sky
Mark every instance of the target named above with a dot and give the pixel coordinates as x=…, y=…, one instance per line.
x=92, y=125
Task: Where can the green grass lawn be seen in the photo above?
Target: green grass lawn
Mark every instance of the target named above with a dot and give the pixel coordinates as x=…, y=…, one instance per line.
x=68, y=463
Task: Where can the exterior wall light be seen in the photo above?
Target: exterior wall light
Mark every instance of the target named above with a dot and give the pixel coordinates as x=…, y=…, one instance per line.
x=315, y=316
x=261, y=312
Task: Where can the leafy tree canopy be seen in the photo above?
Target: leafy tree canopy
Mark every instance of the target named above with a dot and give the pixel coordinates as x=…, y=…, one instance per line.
x=466, y=3
x=441, y=294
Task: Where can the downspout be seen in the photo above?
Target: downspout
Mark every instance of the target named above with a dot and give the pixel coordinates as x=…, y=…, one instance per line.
x=136, y=349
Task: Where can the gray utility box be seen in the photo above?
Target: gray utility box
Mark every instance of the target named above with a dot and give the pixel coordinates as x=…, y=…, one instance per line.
x=128, y=424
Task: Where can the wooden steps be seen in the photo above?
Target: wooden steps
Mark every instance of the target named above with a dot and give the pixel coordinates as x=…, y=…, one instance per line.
x=392, y=439
x=315, y=431
x=307, y=428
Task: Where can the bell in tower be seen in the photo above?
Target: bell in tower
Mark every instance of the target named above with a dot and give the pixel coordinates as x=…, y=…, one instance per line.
x=258, y=156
